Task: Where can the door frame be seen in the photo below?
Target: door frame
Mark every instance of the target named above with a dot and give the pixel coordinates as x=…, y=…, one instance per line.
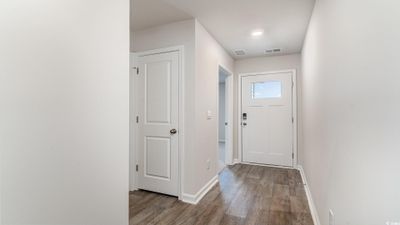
x=229, y=115
x=133, y=175
x=294, y=112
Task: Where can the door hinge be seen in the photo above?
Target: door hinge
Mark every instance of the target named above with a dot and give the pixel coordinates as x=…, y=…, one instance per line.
x=292, y=119
x=137, y=119
x=137, y=70
x=292, y=155
x=137, y=167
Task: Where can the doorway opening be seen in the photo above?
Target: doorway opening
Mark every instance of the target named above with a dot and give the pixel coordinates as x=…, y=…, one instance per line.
x=225, y=117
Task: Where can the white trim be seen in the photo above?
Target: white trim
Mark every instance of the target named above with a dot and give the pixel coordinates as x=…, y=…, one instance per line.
x=294, y=114
x=194, y=199
x=181, y=103
x=239, y=116
x=132, y=124
x=229, y=99
x=311, y=203
x=159, y=51
x=133, y=113
x=235, y=161
x=228, y=103
x=294, y=110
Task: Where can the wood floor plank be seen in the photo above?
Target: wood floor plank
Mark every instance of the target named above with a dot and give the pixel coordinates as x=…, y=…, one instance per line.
x=245, y=195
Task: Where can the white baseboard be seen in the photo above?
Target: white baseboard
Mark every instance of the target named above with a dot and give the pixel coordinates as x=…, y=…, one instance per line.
x=133, y=189
x=311, y=203
x=235, y=161
x=194, y=199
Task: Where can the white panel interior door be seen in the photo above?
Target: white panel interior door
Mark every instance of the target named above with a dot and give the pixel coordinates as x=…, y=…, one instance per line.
x=158, y=137
x=267, y=126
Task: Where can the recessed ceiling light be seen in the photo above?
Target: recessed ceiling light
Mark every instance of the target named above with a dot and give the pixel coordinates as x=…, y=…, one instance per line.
x=257, y=33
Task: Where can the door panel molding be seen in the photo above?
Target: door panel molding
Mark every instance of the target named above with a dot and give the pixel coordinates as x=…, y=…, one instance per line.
x=294, y=111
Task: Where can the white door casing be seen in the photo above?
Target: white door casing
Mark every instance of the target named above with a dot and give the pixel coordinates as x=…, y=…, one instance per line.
x=229, y=119
x=267, y=126
x=158, y=116
x=229, y=109
x=226, y=123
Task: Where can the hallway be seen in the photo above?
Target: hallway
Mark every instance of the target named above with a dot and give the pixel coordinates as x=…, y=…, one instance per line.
x=245, y=194
x=104, y=105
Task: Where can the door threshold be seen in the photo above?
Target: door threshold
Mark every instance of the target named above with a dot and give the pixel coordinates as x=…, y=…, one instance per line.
x=157, y=193
x=267, y=165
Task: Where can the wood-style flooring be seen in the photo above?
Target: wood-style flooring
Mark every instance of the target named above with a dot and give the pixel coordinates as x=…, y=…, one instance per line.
x=245, y=195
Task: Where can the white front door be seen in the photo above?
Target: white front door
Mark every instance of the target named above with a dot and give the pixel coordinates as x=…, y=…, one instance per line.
x=267, y=125
x=158, y=135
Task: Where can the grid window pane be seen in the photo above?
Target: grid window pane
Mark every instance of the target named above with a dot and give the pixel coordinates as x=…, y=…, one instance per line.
x=269, y=89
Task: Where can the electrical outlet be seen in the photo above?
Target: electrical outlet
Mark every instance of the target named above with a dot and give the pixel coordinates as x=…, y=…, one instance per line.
x=208, y=164
x=331, y=217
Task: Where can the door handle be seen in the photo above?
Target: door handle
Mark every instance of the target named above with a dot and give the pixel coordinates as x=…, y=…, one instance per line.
x=173, y=131
x=244, y=124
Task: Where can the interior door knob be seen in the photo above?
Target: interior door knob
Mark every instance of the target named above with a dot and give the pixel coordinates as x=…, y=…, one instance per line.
x=245, y=124
x=173, y=131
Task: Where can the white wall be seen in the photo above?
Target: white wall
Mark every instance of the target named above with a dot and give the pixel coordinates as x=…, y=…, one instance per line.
x=64, y=93
x=221, y=112
x=351, y=108
x=209, y=54
x=265, y=64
